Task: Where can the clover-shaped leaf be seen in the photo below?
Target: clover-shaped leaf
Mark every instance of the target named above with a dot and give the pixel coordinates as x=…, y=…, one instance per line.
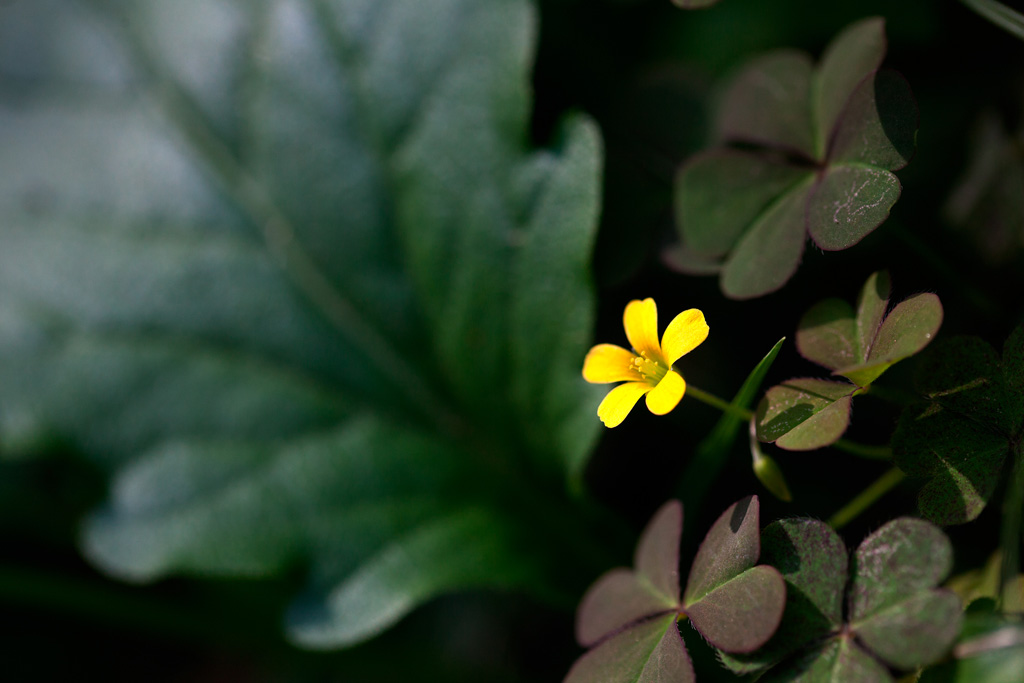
x=860, y=345
x=291, y=272
x=959, y=437
x=895, y=616
x=628, y=617
x=828, y=139
x=804, y=414
x=624, y=596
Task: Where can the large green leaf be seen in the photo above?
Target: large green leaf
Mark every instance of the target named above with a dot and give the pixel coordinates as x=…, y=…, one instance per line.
x=292, y=271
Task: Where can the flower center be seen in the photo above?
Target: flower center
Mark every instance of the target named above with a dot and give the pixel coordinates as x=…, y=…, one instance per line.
x=650, y=369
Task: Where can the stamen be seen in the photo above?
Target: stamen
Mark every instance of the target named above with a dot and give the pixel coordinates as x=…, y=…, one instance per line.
x=649, y=369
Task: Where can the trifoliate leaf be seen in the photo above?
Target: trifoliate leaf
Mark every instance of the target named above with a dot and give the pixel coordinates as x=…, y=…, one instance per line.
x=827, y=139
x=863, y=346
x=958, y=439
x=896, y=616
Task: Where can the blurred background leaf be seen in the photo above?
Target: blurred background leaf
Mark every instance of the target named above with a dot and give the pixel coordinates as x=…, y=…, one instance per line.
x=291, y=270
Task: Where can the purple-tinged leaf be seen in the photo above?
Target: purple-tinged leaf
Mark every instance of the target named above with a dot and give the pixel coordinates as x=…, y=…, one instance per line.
x=871, y=306
x=813, y=561
x=804, y=413
x=651, y=652
x=768, y=104
x=844, y=126
x=878, y=127
x=827, y=334
x=730, y=547
x=864, y=346
x=616, y=600
x=900, y=559
x=908, y=328
x=848, y=203
x=769, y=252
x=743, y=613
x=719, y=194
x=623, y=597
x=853, y=54
x=916, y=632
x=657, y=552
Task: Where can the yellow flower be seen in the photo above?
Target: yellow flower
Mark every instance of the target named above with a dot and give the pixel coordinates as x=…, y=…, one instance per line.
x=647, y=369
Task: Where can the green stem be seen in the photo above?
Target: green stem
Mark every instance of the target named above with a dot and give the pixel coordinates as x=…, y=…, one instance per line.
x=863, y=450
x=999, y=14
x=721, y=404
x=1013, y=509
x=866, y=498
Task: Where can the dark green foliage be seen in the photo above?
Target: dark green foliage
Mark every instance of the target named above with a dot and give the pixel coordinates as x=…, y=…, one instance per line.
x=628, y=616
x=805, y=414
x=959, y=437
x=988, y=201
x=828, y=138
x=315, y=304
x=892, y=614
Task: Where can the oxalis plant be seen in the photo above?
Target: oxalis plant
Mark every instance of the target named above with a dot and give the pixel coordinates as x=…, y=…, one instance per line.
x=340, y=325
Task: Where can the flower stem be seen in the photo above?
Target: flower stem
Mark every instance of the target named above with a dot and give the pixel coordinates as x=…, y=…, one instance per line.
x=863, y=450
x=715, y=402
x=866, y=498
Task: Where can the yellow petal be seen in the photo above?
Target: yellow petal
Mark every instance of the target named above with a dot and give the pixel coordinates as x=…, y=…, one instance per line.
x=619, y=401
x=609, y=363
x=641, y=323
x=664, y=397
x=685, y=333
